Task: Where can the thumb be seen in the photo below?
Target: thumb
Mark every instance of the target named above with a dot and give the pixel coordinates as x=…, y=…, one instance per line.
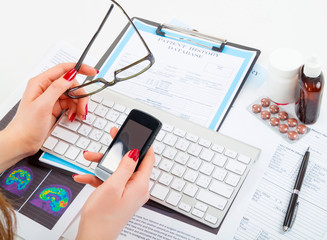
x=59, y=86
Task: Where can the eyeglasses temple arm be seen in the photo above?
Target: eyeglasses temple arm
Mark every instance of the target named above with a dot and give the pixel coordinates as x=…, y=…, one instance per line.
x=81, y=59
x=130, y=20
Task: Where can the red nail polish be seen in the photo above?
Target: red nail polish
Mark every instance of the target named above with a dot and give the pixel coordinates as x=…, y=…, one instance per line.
x=97, y=71
x=134, y=154
x=74, y=175
x=86, y=110
x=84, y=117
x=84, y=152
x=70, y=75
x=72, y=117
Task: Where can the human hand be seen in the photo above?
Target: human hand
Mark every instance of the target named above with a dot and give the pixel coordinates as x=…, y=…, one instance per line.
x=42, y=103
x=116, y=200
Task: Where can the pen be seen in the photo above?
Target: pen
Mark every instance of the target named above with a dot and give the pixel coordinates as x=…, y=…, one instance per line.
x=293, y=204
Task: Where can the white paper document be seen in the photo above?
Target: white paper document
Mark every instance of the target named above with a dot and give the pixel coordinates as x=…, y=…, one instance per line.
x=265, y=214
x=189, y=81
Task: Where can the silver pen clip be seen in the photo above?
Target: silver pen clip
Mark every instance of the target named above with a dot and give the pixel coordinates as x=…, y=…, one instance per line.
x=294, y=215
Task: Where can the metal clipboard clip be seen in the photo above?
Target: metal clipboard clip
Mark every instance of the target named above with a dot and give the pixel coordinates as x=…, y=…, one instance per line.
x=194, y=33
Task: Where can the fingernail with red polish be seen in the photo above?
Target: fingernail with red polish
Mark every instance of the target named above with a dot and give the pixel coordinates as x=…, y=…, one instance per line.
x=86, y=110
x=84, y=152
x=84, y=117
x=72, y=117
x=70, y=75
x=74, y=175
x=134, y=154
x=97, y=71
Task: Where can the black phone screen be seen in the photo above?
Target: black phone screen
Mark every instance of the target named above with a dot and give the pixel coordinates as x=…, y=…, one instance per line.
x=133, y=135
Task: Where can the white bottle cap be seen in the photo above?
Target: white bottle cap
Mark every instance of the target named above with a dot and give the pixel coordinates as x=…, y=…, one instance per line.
x=312, y=68
x=285, y=62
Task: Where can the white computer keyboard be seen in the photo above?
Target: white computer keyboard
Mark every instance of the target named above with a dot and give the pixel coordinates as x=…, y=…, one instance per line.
x=198, y=172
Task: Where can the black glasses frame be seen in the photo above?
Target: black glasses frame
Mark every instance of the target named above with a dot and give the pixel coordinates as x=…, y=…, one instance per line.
x=149, y=57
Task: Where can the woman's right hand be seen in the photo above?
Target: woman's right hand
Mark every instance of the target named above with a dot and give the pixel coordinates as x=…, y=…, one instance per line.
x=116, y=200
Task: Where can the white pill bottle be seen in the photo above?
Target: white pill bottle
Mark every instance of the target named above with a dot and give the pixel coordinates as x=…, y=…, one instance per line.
x=284, y=65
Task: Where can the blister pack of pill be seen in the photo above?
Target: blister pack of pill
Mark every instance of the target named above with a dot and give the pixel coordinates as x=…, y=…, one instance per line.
x=279, y=120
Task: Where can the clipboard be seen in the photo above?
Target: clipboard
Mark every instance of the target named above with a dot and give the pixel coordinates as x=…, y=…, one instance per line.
x=197, y=39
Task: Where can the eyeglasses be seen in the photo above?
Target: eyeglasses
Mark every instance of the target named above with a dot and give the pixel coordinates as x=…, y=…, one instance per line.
x=130, y=71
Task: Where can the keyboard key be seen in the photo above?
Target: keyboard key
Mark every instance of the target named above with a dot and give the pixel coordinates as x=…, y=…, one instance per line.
x=93, y=165
x=61, y=148
x=217, y=148
x=100, y=123
x=221, y=188
x=158, y=147
x=207, y=155
x=89, y=119
x=159, y=192
x=81, y=160
x=65, y=135
x=112, y=115
x=204, y=142
x=185, y=207
x=94, y=147
x=72, y=152
x=191, y=175
x=167, y=127
x=101, y=110
x=201, y=206
x=178, y=170
x=91, y=106
x=182, y=144
x=95, y=134
x=179, y=132
x=230, y=153
x=236, y=167
x=96, y=98
x=244, y=159
x=106, y=139
x=84, y=130
x=219, y=174
x=50, y=143
x=157, y=160
x=194, y=150
x=68, y=124
x=119, y=108
x=207, y=168
x=182, y=158
x=232, y=179
x=166, y=165
x=197, y=213
x=108, y=103
x=83, y=142
x=169, y=153
x=178, y=184
x=192, y=137
x=219, y=160
x=160, y=135
x=211, y=199
x=194, y=163
x=155, y=174
x=165, y=179
x=203, y=181
x=211, y=219
x=170, y=140
x=121, y=119
x=174, y=198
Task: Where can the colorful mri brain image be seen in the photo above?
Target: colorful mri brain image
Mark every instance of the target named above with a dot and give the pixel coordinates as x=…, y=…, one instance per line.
x=53, y=199
x=18, y=180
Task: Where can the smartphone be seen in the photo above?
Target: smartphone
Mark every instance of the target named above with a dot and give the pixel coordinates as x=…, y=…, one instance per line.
x=138, y=131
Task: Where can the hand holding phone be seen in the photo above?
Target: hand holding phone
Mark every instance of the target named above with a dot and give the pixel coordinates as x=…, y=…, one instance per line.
x=137, y=132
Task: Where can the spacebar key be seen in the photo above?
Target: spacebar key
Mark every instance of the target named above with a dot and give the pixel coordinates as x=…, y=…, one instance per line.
x=65, y=135
x=211, y=199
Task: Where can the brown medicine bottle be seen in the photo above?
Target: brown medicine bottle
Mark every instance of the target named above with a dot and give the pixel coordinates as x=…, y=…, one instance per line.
x=309, y=91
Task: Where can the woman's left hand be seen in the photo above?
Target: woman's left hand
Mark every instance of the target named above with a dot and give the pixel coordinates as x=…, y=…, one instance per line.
x=42, y=103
